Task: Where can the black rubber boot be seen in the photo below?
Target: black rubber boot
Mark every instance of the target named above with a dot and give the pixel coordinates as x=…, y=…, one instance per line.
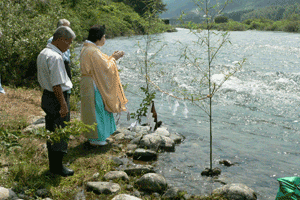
x=55, y=164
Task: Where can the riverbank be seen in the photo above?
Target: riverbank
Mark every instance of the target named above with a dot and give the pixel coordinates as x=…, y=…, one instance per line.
x=260, y=24
x=25, y=169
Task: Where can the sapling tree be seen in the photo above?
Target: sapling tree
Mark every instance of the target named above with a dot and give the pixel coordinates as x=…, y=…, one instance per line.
x=147, y=59
x=201, y=68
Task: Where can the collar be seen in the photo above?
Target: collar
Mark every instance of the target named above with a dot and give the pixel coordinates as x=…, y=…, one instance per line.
x=54, y=48
x=89, y=42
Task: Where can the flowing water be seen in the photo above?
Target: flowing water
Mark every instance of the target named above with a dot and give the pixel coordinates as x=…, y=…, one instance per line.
x=255, y=114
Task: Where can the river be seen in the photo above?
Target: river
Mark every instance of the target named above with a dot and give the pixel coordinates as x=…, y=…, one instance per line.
x=255, y=113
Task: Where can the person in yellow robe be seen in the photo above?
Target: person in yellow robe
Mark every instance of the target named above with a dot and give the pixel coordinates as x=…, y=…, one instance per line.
x=101, y=89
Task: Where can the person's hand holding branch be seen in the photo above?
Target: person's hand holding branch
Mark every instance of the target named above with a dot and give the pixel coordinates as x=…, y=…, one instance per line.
x=118, y=54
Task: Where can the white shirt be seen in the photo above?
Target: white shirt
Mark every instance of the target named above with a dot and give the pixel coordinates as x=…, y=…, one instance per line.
x=51, y=69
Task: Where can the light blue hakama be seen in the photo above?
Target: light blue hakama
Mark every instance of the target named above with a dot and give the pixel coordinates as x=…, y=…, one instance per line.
x=105, y=120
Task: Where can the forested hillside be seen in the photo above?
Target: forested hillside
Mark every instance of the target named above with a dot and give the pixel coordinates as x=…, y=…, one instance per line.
x=28, y=24
x=176, y=6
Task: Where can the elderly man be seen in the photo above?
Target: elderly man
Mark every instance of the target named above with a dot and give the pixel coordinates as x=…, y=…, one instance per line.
x=53, y=78
x=1, y=89
x=67, y=54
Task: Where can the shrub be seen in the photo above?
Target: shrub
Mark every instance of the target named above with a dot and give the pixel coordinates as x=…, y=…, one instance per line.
x=292, y=26
x=256, y=25
x=25, y=34
x=247, y=21
x=235, y=26
x=221, y=19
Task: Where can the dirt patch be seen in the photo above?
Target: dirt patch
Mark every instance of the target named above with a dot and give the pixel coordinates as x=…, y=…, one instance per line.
x=17, y=105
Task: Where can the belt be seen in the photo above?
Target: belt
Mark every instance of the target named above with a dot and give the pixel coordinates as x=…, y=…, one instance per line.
x=49, y=92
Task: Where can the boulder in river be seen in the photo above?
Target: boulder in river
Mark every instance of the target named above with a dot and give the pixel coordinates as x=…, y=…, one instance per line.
x=139, y=169
x=236, y=191
x=144, y=155
x=116, y=175
x=152, y=182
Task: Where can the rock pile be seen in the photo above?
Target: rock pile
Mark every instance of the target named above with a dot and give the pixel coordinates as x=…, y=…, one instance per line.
x=144, y=146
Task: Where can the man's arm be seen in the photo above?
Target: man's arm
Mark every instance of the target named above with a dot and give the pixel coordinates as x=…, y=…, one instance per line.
x=60, y=97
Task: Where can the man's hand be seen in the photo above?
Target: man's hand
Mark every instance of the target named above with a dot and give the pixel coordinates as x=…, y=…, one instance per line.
x=61, y=99
x=63, y=110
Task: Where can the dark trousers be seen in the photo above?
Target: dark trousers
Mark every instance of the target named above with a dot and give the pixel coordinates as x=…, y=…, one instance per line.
x=51, y=106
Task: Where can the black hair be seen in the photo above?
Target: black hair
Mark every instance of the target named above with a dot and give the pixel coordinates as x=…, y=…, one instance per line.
x=96, y=32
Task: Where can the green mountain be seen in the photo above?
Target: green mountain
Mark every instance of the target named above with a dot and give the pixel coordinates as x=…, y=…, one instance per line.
x=188, y=6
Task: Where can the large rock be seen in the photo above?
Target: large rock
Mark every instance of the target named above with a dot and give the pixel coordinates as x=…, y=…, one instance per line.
x=163, y=132
x=136, y=140
x=139, y=169
x=125, y=197
x=143, y=130
x=171, y=193
x=236, y=191
x=152, y=182
x=176, y=137
x=155, y=142
x=131, y=147
x=103, y=187
x=144, y=155
x=116, y=175
x=7, y=194
x=119, y=136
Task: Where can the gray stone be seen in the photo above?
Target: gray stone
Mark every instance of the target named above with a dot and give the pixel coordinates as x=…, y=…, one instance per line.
x=136, y=140
x=131, y=146
x=156, y=195
x=152, y=182
x=116, y=175
x=176, y=137
x=236, y=191
x=142, y=129
x=227, y=163
x=129, y=137
x=117, y=161
x=137, y=193
x=139, y=169
x=96, y=176
x=42, y=193
x=47, y=199
x=80, y=195
x=130, y=153
x=120, y=129
x=23, y=196
x=214, y=172
x=154, y=142
x=119, y=136
x=32, y=127
x=40, y=121
x=171, y=193
x=7, y=194
x=103, y=187
x=163, y=132
x=187, y=196
x=144, y=155
x=110, y=140
x=125, y=197
x=129, y=187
